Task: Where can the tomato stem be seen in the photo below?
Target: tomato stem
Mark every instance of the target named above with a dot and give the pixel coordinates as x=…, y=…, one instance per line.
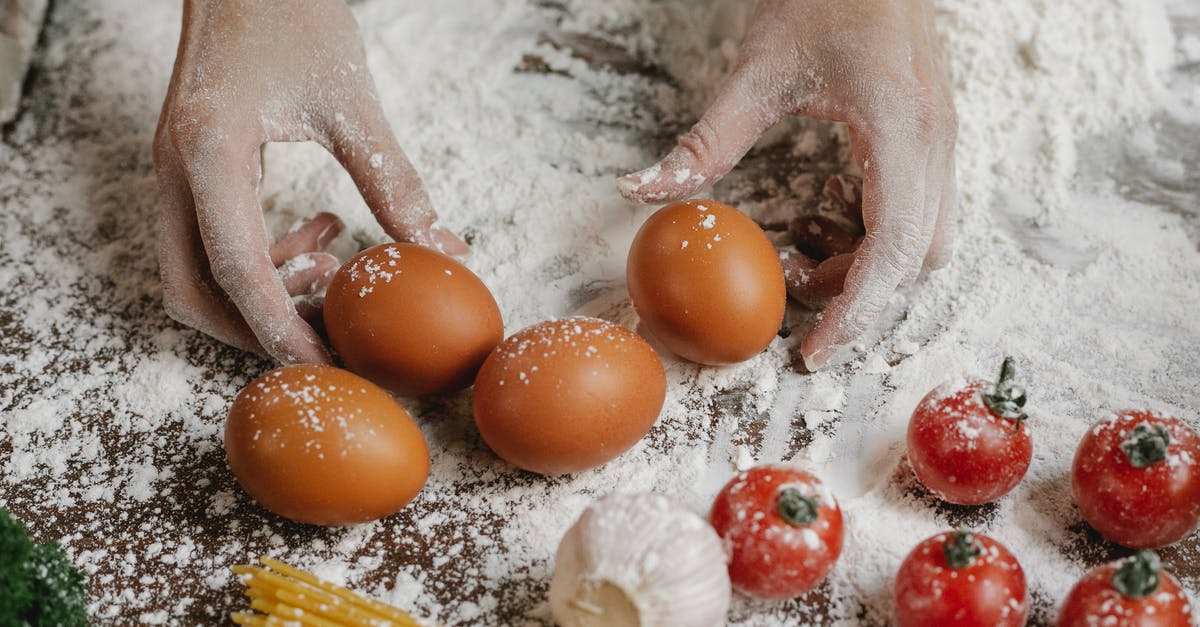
x=1007, y=399
x=1138, y=577
x=961, y=549
x=796, y=508
x=1146, y=445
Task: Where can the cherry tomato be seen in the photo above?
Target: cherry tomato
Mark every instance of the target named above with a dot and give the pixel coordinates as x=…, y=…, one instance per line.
x=1134, y=591
x=782, y=529
x=1136, y=479
x=963, y=579
x=969, y=444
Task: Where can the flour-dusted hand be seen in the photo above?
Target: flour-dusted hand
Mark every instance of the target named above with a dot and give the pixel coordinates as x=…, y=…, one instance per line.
x=878, y=66
x=248, y=73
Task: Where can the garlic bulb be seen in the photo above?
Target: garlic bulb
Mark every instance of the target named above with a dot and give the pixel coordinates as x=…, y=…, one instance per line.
x=640, y=560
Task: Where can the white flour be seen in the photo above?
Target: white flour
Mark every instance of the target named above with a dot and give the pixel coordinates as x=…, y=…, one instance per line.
x=113, y=414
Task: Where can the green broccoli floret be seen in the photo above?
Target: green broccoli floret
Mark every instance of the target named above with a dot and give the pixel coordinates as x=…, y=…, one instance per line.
x=16, y=590
x=38, y=584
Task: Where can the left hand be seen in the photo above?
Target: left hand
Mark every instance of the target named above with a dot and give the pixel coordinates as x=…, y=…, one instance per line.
x=248, y=73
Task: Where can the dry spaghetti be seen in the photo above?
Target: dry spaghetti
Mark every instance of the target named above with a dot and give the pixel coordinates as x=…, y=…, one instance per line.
x=289, y=596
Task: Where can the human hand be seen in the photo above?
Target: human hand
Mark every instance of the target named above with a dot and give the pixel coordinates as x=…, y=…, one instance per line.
x=20, y=23
x=878, y=66
x=248, y=73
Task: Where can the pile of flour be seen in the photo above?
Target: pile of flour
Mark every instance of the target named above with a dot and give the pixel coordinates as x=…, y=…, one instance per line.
x=519, y=115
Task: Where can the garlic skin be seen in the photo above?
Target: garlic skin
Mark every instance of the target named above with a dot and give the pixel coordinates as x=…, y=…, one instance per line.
x=640, y=560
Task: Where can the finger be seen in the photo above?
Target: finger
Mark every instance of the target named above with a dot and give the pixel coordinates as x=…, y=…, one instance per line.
x=935, y=179
x=189, y=296
x=309, y=235
x=941, y=249
x=745, y=107
x=847, y=191
x=308, y=273
x=365, y=146
x=809, y=281
x=222, y=175
x=893, y=211
x=910, y=278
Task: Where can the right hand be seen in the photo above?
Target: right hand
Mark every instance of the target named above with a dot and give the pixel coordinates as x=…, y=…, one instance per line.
x=248, y=73
x=878, y=66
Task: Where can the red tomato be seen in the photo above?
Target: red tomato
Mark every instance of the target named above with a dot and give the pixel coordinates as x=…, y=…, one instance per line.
x=1134, y=591
x=1136, y=479
x=963, y=579
x=782, y=529
x=969, y=444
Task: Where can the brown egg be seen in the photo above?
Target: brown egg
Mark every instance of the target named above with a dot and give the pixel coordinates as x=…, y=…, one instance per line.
x=411, y=319
x=566, y=395
x=707, y=282
x=323, y=446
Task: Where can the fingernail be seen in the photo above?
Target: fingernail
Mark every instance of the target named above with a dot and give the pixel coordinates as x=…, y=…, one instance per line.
x=448, y=242
x=819, y=358
x=627, y=185
x=329, y=233
x=631, y=183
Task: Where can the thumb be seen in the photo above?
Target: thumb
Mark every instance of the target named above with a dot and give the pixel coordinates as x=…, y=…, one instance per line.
x=744, y=108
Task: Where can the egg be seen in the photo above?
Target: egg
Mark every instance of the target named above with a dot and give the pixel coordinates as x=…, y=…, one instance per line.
x=411, y=319
x=567, y=395
x=323, y=446
x=707, y=282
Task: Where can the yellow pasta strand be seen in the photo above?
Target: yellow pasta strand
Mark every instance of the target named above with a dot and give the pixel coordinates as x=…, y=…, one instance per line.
x=337, y=611
x=284, y=595
x=385, y=610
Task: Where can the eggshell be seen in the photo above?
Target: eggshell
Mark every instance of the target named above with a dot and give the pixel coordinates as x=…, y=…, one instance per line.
x=323, y=446
x=566, y=395
x=411, y=319
x=707, y=282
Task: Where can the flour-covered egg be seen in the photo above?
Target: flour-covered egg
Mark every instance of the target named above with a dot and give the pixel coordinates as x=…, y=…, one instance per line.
x=323, y=446
x=707, y=282
x=411, y=319
x=566, y=395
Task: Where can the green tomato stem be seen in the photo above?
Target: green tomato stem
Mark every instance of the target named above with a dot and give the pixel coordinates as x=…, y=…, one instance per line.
x=1007, y=398
x=1146, y=445
x=961, y=549
x=1138, y=576
x=798, y=509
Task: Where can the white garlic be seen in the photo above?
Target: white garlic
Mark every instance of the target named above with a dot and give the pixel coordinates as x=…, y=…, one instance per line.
x=640, y=560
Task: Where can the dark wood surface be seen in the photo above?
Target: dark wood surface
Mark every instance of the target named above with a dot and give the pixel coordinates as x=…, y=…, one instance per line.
x=90, y=219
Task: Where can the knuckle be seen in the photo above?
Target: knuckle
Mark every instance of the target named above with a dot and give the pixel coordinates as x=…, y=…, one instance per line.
x=897, y=249
x=860, y=314
x=278, y=347
x=909, y=239
x=912, y=110
x=197, y=129
x=233, y=275
x=702, y=140
x=187, y=119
